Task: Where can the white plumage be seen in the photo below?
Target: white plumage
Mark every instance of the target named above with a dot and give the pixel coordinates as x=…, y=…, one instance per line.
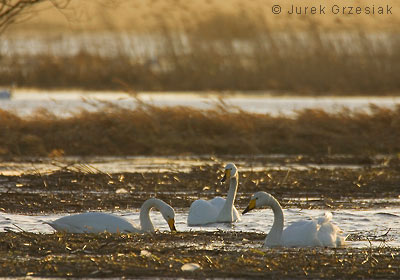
x=319, y=232
x=96, y=222
x=218, y=209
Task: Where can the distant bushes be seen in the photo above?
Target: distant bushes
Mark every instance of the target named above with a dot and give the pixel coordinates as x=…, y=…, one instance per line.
x=150, y=130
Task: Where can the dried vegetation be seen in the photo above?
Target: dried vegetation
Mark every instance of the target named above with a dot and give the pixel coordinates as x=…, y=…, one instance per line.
x=223, y=47
x=106, y=255
x=75, y=190
x=151, y=130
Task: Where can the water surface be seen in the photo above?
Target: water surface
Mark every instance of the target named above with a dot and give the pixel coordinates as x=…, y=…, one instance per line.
x=65, y=103
x=145, y=164
x=382, y=215
x=380, y=226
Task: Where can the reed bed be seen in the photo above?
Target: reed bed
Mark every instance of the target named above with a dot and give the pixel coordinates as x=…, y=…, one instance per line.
x=152, y=130
x=237, y=50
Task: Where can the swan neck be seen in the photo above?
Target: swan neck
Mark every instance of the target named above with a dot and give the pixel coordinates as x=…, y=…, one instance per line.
x=145, y=222
x=226, y=214
x=274, y=237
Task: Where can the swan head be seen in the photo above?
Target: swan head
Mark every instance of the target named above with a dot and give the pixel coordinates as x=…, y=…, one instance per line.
x=258, y=200
x=230, y=172
x=168, y=214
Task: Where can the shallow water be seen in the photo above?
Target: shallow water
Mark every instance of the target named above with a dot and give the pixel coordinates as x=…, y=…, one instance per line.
x=147, y=48
x=367, y=224
x=145, y=164
x=105, y=164
x=65, y=103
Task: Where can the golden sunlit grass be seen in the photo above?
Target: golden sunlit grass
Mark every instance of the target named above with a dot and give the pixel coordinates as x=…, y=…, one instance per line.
x=151, y=130
x=143, y=16
x=212, y=56
x=212, y=45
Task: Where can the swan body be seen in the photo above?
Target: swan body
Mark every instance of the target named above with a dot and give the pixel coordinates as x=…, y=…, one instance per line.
x=96, y=222
x=319, y=232
x=218, y=209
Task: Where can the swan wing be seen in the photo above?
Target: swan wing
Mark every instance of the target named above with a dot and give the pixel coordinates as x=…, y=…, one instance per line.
x=311, y=233
x=203, y=212
x=301, y=234
x=329, y=233
x=326, y=218
x=93, y=222
x=62, y=227
x=218, y=202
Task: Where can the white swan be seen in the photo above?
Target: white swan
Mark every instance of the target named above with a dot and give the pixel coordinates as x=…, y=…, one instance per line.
x=306, y=233
x=96, y=222
x=217, y=210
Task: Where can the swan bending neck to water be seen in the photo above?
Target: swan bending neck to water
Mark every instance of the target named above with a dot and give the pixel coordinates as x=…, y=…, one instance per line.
x=306, y=233
x=218, y=209
x=96, y=222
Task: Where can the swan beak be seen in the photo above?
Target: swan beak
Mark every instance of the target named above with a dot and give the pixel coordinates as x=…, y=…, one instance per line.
x=251, y=206
x=226, y=175
x=171, y=223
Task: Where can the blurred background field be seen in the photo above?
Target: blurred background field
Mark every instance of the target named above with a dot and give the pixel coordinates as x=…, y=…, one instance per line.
x=208, y=47
x=204, y=45
x=144, y=16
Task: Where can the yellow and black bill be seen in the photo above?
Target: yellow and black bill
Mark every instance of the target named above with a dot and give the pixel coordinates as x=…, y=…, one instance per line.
x=251, y=206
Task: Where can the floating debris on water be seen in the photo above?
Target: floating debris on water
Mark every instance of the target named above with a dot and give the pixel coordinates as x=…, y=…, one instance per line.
x=190, y=267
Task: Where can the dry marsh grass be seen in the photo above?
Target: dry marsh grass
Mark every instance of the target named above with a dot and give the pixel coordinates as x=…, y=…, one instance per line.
x=162, y=255
x=142, y=16
x=73, y=189
x=151, y=130
x=203, y=46
x=211, y=57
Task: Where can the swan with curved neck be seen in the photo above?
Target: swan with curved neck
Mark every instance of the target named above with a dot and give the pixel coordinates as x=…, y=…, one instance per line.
x=96, y=222
x=306, y=233
x=218, y=209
